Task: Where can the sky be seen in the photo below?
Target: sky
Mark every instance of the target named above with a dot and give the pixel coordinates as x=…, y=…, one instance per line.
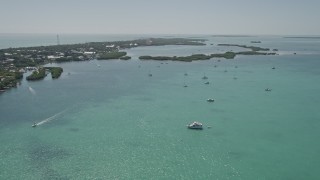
x=248, y=17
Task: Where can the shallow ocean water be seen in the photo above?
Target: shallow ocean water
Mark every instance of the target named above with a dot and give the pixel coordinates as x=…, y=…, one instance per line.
x=116, y=122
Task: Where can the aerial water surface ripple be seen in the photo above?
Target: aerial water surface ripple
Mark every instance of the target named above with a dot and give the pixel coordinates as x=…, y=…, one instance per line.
x=110, y=120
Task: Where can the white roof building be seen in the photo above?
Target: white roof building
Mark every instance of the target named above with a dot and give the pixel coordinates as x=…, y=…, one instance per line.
x=89, y=52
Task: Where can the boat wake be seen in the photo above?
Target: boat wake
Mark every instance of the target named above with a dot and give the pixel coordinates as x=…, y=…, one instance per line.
x=50, y=118
x=32, y=91
x=97, y=64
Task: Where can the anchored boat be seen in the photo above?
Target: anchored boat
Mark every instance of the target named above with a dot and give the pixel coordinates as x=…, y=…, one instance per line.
x=210, y=100
x=195, y=125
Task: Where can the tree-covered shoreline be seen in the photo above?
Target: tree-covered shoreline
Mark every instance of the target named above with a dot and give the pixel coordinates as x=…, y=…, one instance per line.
x=226, y=55
x=18, y=60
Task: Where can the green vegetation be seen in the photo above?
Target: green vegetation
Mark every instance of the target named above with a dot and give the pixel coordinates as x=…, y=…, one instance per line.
x=232, y=36
x=25, y=63
x=253, y=48
x=39, y=55
x=176, y=58
x=171, y=41
x=111, y=55
x=125, y=58
x=255, y=53
x=304, y=37
x=68, y=59
x=226, y=55
x=18, y=75
x=13, y=60
x=41, y=73
x=194, y=57
x=37, y=75
x=7, y=82
x=55, y=72
x=9, y=79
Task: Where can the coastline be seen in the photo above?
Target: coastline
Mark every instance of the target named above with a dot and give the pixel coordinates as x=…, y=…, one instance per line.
x=17, y=60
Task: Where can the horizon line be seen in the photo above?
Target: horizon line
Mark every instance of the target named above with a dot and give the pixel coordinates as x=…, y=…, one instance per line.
x=211, y=34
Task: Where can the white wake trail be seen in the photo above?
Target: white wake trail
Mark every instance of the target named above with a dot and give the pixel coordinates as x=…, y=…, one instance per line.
x=32, y=91
x=50, y=118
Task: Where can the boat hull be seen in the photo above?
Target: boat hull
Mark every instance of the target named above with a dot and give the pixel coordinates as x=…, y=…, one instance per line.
x=196, y=128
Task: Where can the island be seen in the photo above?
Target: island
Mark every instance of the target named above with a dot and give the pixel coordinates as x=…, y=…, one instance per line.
x=125, y=58
x=9, y=79
x=253, y=48
x=15, y=61
x=55, y=71
x=37, y=74
x=303, y=37
x=111, y=55
x=194, y=57
x=41, y=73
x=226, y=55
x=232, y=36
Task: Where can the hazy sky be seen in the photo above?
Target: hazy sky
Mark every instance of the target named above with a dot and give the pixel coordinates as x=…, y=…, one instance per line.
x=283, y=17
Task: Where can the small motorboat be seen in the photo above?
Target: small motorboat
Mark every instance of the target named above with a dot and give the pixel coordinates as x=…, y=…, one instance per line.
x=185, y=85
x=34, y=125
x=195, y=125
x=273, y=67
x=206, y=82
x=150, y=74
x=268, y=89
x=210, y=100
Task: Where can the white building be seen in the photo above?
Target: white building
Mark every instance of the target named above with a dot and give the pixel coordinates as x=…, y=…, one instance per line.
x=89, y=53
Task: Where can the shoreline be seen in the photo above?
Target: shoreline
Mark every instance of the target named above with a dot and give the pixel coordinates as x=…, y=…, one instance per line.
x=18, y=60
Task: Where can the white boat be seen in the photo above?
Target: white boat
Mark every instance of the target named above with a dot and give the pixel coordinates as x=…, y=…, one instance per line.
x=210, y=100
x=34, y=125
x=195, y=125
x=204, y=76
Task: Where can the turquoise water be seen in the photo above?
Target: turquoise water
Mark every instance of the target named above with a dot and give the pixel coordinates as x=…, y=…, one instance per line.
x=116, y=122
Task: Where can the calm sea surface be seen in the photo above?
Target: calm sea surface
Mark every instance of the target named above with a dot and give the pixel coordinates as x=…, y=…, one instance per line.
x=113, y=121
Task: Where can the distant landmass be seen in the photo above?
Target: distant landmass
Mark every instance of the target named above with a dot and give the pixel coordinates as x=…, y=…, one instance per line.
x=233, y=36
x=303, y=37
x=15, y=61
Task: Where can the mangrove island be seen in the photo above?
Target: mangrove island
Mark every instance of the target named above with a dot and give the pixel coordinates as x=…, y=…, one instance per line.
x=15, y=61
